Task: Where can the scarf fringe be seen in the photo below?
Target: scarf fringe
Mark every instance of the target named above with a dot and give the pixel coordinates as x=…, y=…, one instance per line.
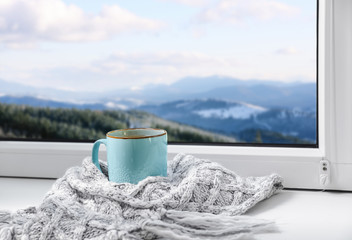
x=193, y=225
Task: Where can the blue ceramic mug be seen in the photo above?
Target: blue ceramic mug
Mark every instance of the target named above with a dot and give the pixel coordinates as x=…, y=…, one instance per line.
x=134, y=154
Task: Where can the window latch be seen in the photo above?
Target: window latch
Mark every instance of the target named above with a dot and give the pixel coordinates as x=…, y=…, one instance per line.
x=324, y=172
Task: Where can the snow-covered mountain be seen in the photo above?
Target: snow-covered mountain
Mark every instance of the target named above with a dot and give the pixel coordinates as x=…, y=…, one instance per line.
x=227, y=117
x=233, y=118
x=219, y=104
x=238, y=111
x=213, y=108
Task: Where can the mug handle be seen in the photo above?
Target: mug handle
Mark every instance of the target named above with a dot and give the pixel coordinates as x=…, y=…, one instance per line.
x=95, y=152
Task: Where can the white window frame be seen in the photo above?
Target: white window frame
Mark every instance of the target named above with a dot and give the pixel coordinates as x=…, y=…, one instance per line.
x=300, y=167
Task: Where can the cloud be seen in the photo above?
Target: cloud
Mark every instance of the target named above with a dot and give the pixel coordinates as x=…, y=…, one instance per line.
x=237, y=11
x=53, y=20
x=189, y=2
x=124, y=70
x=138, y=69
x=286, y=51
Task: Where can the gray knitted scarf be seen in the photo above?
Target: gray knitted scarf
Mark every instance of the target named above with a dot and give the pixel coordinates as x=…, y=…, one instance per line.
x=198, y=200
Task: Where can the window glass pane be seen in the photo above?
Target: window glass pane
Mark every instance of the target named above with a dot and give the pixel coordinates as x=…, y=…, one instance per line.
x=222, y=71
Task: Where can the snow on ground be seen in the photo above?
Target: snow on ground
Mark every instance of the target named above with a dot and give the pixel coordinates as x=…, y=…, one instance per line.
x=113, y=105
x=240, y=111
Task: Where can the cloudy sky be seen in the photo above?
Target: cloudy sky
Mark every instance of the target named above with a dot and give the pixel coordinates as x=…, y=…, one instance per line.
x=82, y=45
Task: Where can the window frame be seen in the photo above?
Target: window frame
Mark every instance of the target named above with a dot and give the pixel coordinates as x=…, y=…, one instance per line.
x=300, y=167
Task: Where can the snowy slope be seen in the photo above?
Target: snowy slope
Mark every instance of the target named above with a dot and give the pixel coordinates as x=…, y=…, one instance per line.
x=239, y=111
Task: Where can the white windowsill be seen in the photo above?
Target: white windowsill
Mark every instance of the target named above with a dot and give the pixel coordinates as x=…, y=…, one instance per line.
x=300, y=215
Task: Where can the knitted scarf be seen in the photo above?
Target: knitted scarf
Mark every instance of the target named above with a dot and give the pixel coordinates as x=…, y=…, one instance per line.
x=199, y=199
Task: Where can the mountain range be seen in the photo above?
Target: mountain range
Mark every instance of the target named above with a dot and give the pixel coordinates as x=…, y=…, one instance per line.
x=268, y=94
x=234, y=118
x=223, y=105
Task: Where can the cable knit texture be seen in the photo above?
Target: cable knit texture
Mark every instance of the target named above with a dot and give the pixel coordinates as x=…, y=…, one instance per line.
x=199, y=199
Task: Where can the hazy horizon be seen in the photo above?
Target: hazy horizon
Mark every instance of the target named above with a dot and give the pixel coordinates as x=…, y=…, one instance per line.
x=227, y=78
